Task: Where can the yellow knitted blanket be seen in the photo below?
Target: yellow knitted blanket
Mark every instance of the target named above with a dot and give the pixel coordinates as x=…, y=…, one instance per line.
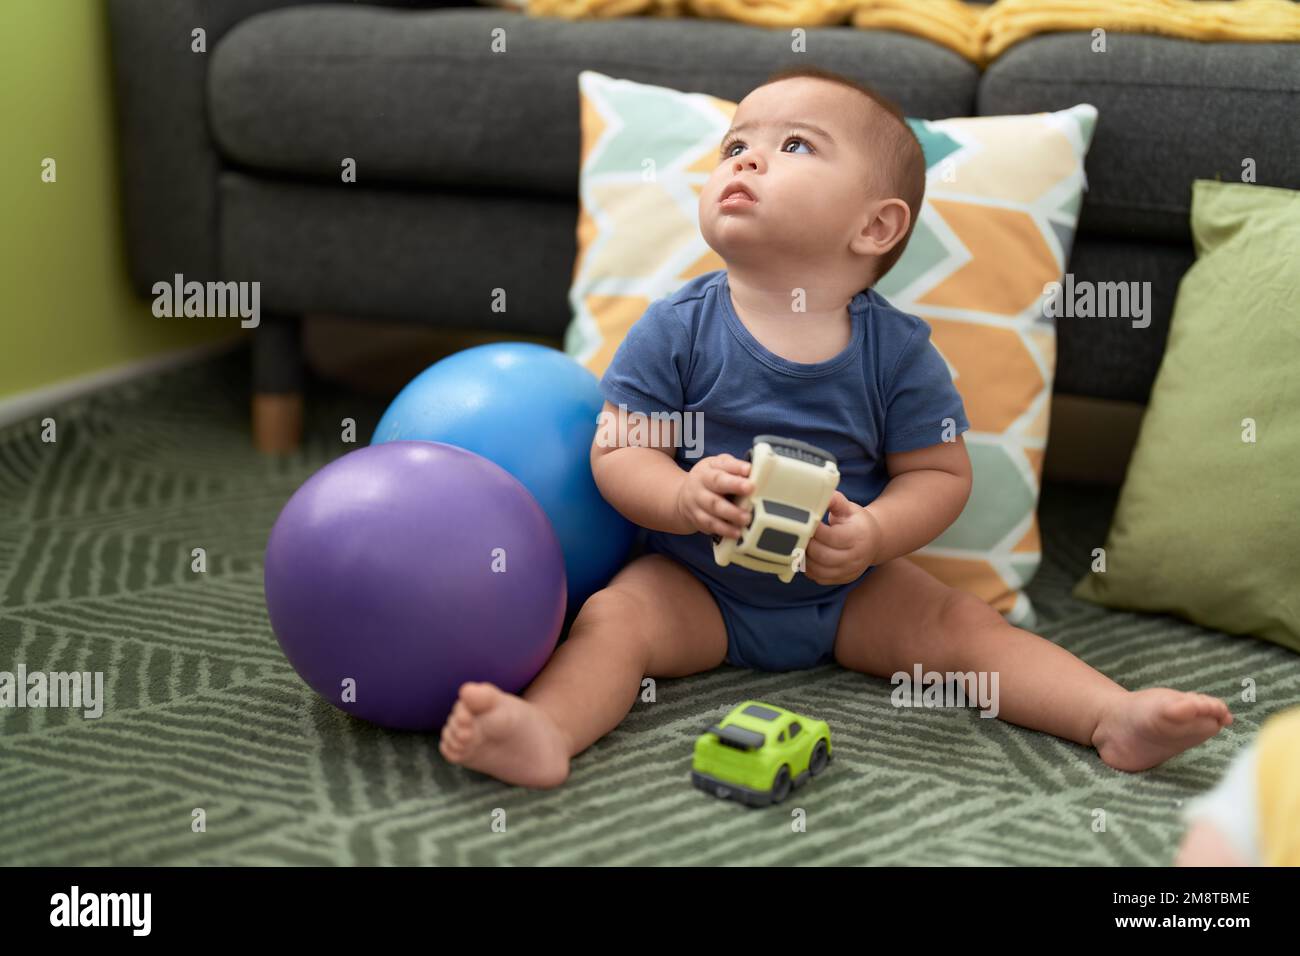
x=978, y=33
x=1278, y=780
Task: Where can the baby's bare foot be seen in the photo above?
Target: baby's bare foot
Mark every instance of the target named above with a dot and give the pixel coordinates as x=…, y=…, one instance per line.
x=1147, y=727
x=506, y=737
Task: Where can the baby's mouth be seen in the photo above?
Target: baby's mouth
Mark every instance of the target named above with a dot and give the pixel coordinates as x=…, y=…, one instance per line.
x=735, y=196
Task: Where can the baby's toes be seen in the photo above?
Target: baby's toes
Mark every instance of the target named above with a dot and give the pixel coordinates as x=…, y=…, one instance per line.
x=463, y=733
x=455, y=733
x=1207, y=706
x=448, y=749
x=458, y=740
x=1183, y=708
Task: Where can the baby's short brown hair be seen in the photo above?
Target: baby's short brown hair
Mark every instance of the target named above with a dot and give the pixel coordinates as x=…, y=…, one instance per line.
x=904, y=158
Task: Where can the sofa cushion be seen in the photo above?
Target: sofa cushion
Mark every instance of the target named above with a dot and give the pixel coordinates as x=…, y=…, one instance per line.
x=1116, y=357
x=420, y=96
x=428, y=256
x=1171, y=111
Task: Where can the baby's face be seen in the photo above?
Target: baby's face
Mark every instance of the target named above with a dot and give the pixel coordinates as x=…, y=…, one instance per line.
x=798, y=147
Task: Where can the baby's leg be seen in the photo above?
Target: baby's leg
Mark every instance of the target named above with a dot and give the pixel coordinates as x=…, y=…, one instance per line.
x=900, y=616
x=654, y=619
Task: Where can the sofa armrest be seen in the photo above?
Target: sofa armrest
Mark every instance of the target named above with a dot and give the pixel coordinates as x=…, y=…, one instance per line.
x=168, y=164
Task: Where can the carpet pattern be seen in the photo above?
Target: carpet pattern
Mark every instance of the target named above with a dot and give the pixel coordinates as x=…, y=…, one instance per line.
x=97, y=532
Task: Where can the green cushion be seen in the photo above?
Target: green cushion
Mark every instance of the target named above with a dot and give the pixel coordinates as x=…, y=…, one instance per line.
x=1208, y=523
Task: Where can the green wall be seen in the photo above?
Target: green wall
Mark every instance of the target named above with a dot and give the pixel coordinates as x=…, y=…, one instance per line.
x=66, y=306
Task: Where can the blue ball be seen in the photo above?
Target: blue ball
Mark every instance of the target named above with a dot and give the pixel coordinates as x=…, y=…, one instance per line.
x=532, y=410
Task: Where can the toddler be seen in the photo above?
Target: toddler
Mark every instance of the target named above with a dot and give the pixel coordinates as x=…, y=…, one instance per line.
x=791, y=339
x=1252, y=817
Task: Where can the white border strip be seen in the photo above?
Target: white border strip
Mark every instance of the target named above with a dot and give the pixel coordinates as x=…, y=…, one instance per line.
x=15, y=408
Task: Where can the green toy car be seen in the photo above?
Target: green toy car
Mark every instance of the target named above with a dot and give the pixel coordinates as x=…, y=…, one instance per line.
x=758, y=753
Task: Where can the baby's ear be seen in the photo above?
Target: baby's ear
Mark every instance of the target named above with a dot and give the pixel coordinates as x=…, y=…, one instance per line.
x=889, y=224
x=886, y=225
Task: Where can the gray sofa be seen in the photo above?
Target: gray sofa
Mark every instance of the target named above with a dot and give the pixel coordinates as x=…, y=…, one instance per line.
x=467, y=160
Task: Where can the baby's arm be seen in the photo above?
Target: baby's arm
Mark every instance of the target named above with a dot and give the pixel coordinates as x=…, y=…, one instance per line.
x=641, y=483
x=926, y=492
x=647, y=486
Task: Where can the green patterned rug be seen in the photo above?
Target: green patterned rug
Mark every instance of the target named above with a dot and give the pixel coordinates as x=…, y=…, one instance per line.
x=203, y=712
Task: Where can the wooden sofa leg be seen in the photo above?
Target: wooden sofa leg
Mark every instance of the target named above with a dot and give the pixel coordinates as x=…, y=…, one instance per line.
x=277, y=422
x=277, y=385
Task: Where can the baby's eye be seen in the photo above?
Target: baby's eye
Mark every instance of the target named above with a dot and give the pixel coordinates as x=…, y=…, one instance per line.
x=729, y=149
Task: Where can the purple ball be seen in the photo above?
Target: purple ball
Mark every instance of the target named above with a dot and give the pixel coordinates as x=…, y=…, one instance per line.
x=409, y=568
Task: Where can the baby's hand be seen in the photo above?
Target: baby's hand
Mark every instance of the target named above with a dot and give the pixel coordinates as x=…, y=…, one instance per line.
x=702, y=502
x=840, y=551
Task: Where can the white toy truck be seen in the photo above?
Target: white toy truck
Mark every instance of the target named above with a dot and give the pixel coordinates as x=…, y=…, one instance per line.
x=793, y=485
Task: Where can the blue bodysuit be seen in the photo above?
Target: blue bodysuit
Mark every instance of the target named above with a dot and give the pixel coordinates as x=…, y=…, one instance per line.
x=888, y=391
